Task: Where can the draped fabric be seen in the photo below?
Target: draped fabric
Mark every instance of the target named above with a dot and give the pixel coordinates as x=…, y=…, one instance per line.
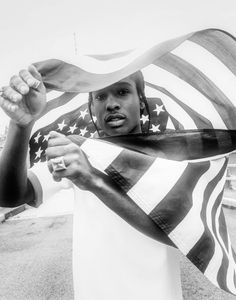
x=177, y=172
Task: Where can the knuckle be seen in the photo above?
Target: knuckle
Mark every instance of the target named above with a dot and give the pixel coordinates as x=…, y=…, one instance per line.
x=23, y=73
x=14, y=78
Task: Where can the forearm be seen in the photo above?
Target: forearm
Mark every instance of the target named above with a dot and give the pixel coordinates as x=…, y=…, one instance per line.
x=13, y=166
x=112, y=196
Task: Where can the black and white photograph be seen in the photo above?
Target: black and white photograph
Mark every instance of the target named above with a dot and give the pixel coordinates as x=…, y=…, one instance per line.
x=118, y=150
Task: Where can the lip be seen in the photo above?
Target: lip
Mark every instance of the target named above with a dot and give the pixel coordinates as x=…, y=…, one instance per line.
x=112, y=117
x=115, y=120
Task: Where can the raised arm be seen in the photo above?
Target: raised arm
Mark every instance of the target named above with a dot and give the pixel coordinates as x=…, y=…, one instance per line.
x=82, y=174
x=23, y=101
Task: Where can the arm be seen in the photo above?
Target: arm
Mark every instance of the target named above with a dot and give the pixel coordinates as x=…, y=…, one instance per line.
x=83, y=175
x=22, y=100
x=15, y=189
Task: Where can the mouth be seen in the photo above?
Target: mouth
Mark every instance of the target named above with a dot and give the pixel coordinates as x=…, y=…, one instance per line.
x=115, y=120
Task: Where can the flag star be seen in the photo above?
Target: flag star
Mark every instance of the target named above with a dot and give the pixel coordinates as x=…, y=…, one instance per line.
x=155, y=128
x=38, y=153
x=61, y=125
x=46, y=137
x=36, y=139
x=72, y=128
x=144, y=119
x=92, y=134
x=83, y=113
x=83, y=131
x=159, y=109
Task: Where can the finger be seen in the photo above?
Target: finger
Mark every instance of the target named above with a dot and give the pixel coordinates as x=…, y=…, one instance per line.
x=19, y=85
x=53, y=152
x=29, y=79
x=11, y=94
x=8, y=106
x=59, y=141
x=55, y=134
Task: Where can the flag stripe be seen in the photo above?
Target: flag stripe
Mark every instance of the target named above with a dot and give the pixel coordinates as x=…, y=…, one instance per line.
x=128, y=168
x=185, y=226
x=207, y=239
x=215, y=264
x=142, y=192
x=220, y=43
x=199, y=121
x=179, y=198
x=186, y=93
x=181, y=118
x=199, y=81
x=104, y=155
x=214, y=69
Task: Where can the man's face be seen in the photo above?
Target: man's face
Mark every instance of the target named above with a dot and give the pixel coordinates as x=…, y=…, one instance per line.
x=117, y=108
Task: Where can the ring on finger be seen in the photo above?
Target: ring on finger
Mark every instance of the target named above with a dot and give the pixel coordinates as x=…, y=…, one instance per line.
x=58, y=163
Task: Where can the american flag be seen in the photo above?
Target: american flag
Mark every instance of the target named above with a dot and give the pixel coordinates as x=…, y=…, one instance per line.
x=176, y=174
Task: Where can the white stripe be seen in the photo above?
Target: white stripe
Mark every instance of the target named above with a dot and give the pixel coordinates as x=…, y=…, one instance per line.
x=231, y=268
x=169, y=124
x=216, y=261
x=210, y=65
x=100, y=154
x=172, y=108
x=184, y=92
x=155, y=184
x=183, y=235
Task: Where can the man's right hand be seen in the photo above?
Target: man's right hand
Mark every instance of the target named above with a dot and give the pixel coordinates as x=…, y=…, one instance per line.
x=25, y=97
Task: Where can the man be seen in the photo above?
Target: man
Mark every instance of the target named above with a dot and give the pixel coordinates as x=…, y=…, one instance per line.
x=112, y=260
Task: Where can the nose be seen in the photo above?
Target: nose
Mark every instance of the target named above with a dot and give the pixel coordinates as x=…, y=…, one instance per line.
x=112, y=103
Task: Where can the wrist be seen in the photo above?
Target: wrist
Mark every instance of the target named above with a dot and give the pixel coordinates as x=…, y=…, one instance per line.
x=96, y=181
x=23, y=127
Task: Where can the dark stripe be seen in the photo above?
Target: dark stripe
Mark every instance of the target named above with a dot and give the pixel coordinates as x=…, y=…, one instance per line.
x=203, y=84
x=128, y=168
x=200, y=121
x=223, y=229
x=180, y=145
x=219, y=43
x=203, y=251
x=177, y=203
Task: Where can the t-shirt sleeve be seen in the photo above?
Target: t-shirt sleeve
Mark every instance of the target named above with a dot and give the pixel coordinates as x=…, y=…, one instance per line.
x=43, y=184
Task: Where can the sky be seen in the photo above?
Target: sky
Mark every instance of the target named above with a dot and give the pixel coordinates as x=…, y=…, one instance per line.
x=34, y=30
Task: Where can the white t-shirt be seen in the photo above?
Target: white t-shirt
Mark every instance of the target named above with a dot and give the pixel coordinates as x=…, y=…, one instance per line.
x=111, y=259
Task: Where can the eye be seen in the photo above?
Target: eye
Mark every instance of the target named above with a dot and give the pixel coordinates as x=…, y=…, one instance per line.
x=100, y=97
x=123, y=92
